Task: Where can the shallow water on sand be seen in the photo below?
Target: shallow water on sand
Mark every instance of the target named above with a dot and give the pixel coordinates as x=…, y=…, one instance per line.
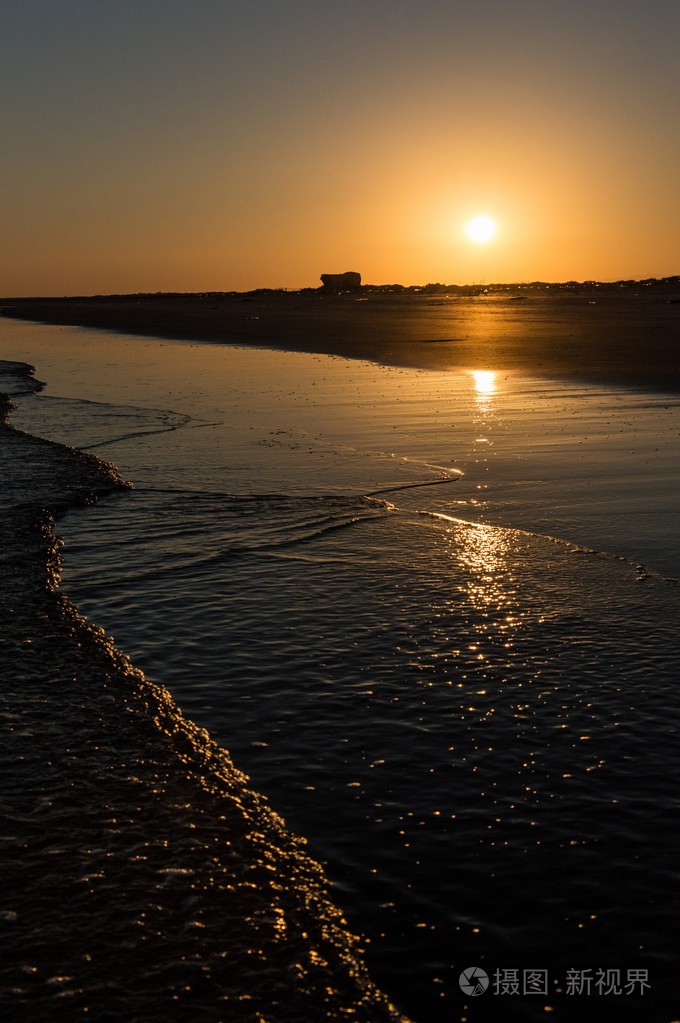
x=428, y=614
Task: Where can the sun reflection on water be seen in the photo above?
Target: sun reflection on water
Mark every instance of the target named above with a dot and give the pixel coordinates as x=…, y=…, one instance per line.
x=482, y=559
x=485, y=384
x=484, y=553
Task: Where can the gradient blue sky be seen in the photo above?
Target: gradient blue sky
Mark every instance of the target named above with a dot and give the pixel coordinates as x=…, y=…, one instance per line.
x=172, y=145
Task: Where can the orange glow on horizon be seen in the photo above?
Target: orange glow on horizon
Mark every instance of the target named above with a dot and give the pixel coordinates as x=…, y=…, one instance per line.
x=212, y=153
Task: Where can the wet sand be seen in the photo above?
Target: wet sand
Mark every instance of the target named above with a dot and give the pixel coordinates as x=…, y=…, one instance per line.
x=178, y=810
x=143, y=879
x=604, y=335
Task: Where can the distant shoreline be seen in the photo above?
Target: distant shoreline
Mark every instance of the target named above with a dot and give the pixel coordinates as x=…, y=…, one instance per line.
x=671, y=283
x=621, y=334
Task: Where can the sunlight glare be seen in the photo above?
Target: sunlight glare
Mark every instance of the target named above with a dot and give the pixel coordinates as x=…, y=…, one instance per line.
x=485, y=383
x=480, y=229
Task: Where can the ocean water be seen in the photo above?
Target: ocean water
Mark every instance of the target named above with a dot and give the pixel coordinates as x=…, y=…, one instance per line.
x=434, y=616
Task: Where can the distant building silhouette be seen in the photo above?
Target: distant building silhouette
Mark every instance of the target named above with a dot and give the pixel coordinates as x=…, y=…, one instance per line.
x=337, y=283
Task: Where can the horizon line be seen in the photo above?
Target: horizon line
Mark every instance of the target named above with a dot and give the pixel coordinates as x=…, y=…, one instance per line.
x=480, y=287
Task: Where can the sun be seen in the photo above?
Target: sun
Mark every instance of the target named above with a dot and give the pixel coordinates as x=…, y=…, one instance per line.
x=480, y=229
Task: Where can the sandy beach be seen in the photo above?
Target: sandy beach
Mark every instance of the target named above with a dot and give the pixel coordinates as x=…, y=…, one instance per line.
x=598, y=333
x=339, y=488
x=373, y=579
x=130, y=835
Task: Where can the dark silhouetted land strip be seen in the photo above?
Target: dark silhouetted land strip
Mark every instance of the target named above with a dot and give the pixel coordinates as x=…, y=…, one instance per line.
x=625, y=334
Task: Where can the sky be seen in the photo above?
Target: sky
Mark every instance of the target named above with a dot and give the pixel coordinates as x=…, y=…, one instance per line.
x=213, y=145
